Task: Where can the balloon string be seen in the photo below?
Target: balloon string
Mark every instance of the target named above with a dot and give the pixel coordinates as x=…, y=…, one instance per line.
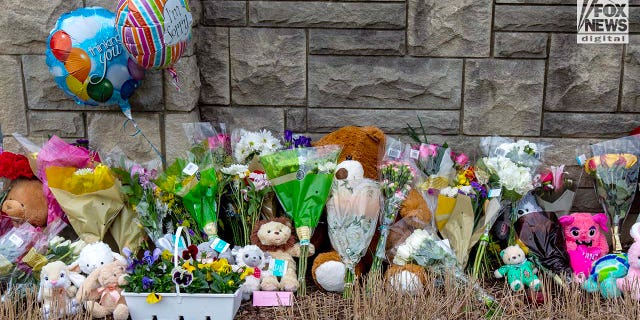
x=104, y=71
x=174, y=74
x=141, y=133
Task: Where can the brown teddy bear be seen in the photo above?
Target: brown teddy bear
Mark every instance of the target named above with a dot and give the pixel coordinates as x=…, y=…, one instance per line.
x=366, y=145
x=101, y=291
x=275, y=237
x=25, y=200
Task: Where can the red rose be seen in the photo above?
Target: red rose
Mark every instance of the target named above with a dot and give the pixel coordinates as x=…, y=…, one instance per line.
x=14, y=166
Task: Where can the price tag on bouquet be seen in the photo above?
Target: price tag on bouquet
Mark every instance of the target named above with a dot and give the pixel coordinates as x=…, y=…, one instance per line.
x=16, y=240
x=581, y=159
x=278, y=267
x=190, y=169
x=494, y=193
x=219, y=245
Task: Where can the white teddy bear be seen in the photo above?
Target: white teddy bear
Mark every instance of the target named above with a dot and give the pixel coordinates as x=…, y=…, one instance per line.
x=251, y=256
x=91, y=257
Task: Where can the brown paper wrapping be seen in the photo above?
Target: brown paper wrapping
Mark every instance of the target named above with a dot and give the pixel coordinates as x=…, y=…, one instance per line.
x=459, y=228
x=91, y=214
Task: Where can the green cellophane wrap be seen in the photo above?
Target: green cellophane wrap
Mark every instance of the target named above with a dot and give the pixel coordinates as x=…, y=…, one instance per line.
x=198, y=191
x=302, y=180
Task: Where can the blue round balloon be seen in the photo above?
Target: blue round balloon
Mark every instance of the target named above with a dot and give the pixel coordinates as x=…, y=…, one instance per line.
x=86, y=57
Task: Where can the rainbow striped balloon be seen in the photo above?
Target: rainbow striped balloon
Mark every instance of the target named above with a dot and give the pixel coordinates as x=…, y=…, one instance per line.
x=154, y=32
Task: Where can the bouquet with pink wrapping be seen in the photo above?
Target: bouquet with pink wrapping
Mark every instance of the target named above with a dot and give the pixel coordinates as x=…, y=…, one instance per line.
x=59, y=153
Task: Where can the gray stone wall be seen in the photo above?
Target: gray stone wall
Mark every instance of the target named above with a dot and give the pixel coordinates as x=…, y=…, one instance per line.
x=467, y=68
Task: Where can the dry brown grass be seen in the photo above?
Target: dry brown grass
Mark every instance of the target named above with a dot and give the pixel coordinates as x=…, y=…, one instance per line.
x=446, y=301
x=26, y=307
x=437, y=301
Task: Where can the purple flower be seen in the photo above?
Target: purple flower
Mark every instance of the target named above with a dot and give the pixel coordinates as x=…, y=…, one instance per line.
x=288, y=135
x=147, y=283
x=149, y=258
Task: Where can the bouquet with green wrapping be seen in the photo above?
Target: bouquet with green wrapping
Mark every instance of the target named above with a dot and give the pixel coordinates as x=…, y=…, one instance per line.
x=302, y=178
x=194, y=180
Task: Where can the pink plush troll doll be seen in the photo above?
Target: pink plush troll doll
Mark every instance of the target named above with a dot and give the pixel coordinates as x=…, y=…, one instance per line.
x=631, y=282
x=585, y=243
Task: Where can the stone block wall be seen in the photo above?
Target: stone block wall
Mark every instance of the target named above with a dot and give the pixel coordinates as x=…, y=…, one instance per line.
x=467, y=68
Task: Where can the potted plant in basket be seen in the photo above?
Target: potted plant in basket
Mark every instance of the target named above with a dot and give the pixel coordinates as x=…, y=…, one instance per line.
x=169, y=285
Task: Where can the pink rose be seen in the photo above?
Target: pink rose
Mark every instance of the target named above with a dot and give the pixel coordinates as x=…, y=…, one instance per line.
x=461, y=159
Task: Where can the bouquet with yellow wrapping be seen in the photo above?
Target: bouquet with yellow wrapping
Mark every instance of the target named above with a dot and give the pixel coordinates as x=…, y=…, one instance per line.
x=92, y=200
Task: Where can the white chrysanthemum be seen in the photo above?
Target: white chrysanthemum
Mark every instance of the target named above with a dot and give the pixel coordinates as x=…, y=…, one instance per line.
x=450, y=192
x=466, y=190
x=327, y=167
x=239, y=170
x=512, y=176
x=259, y=143
x=83, y=171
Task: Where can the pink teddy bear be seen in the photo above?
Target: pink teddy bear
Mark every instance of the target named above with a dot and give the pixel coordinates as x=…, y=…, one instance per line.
x=631, y=282
x=585, y=243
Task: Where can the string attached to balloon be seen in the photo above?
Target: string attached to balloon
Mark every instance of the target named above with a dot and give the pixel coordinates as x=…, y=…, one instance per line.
x=86, y=58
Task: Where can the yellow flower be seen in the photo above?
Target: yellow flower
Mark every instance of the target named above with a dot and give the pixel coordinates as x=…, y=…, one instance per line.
x=153, y=298
x=247, y=272
x=188, y=266
x=230, y=283
x=221, y=266
x=166, y=255
x=462, y=179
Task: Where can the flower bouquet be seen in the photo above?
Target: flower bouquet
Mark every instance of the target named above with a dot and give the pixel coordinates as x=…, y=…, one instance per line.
x=507, y=172
x=396, y=177
x=143, y=197
x=614, y=168
x=465, y=216
x=194, y=180
x=554, y=191
x=180, y=284
x=301, y=178
x=352, y=214
x=425, y=249
x=92, y=200
x=248, y=191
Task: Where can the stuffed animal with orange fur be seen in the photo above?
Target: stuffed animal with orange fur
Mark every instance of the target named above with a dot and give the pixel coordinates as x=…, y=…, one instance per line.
x=366, y=145
x=25, y=201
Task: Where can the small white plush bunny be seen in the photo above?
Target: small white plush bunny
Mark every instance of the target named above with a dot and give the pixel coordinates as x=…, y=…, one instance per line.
x=56, y=291
x=631, y=282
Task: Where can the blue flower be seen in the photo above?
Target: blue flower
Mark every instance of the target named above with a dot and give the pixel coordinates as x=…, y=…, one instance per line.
x=147, y=283
x=149, y=258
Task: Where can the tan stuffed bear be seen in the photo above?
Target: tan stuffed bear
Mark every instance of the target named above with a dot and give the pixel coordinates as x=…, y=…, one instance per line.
x=26, y=201
x=101, y=292
x=275, y=237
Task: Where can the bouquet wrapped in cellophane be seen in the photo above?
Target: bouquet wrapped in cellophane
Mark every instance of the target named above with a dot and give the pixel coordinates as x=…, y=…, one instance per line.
x=423, y=247
x=301, y=178
x=194, y=180
x=352, y=214
x=554, y=190
x=614, y=168
x=94, y=205
x=396, y=177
